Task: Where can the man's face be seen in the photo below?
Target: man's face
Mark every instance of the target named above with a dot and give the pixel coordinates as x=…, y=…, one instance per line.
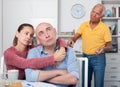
x=96, y=14
x=46, y=34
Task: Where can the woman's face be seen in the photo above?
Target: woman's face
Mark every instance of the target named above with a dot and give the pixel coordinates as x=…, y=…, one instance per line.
x=25, y=36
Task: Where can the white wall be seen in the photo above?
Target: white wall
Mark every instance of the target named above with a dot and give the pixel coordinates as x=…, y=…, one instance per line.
x=66, y=21
x=0, y=28
x=16, y=12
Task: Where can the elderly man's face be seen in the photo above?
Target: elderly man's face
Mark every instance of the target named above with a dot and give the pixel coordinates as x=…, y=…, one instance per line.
x=46, y=34
x=96, y=13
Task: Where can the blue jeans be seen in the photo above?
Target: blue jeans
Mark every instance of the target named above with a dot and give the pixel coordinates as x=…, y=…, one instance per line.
x=96, y=65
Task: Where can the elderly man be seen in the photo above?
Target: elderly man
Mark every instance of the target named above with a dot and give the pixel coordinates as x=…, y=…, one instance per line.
x=96, y=40
x=63, y=73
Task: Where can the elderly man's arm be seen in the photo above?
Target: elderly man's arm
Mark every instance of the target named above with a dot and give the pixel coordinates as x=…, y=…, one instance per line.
x=39, y=74
x=72, y=67
x=48, y=74
x=42, y=75
x=67, y=79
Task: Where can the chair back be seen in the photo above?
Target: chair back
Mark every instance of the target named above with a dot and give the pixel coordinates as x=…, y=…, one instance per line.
x=2, y=65
x=83, y=65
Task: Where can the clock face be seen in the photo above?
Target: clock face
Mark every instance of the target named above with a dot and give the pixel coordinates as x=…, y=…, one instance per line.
x=78, y=11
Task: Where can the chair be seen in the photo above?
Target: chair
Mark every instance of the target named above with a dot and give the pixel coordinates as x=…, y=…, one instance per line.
x=80, y=61
x=2, y=65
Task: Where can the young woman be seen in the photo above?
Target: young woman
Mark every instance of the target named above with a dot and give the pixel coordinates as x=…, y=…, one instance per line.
x=15, y=56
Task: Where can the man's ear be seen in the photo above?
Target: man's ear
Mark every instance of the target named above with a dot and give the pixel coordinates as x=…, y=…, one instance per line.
x=103, y=15
x=37, y=39
x=55, y=30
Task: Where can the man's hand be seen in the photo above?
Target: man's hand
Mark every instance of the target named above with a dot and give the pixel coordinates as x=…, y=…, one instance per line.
x=70, y=43
x=60, y=54
x=99, y=51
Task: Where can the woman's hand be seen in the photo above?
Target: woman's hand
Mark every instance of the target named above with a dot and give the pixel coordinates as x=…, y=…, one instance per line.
x=60, y=54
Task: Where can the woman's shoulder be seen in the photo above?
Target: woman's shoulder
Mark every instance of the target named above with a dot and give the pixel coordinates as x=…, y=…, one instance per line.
x=10, y=50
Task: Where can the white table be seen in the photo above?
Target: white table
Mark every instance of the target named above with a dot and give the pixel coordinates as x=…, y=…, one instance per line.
x=37, y=84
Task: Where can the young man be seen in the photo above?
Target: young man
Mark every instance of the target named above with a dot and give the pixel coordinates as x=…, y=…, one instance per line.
x=63, y=73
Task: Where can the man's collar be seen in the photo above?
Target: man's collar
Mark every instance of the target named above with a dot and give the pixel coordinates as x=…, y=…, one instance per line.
x=56, y=48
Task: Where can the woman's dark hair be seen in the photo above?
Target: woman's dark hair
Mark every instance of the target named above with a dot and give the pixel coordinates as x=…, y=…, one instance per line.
x=19, y=29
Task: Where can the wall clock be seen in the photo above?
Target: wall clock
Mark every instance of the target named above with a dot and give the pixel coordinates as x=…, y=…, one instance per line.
x=78, y=11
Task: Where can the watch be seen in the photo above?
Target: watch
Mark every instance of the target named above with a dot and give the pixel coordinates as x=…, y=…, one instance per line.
x=78, y=11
